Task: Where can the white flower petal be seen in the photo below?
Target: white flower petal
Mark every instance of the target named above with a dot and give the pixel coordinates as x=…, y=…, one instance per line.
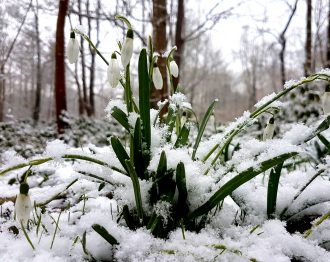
x=113, y=72
x=268, y=132
x=157, y=78
x=72, y=50
x=126, y=51
x=23, y=208
x=174, y=69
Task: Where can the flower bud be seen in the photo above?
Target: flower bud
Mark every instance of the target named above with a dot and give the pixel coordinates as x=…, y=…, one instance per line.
x=113, y=71
x=157, y=78
x=269, y=130
x=174, y=69
x=127, y=48
x=326, y=100
x=72, y=49
x=23, y=206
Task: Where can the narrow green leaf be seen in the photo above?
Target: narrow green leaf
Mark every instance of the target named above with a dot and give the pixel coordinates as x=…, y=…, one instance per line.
x=121, y=117
x=144, y=96
x=170, y=122
x=137, y=150
x=237, y=181
x=128, y=218
x=119, y=151
x=105, y=234
x=324, y=141
x=321, y=127
x=136, y=187
x=182, y=207
x=83, y=243
x=202, y=128
x=273, y=181
x=183, y=137
x=162, y=165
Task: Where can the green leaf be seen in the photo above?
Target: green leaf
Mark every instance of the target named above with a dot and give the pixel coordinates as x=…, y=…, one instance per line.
x=136, y=187
x=121, y=117
x=144, y=96
x=182, y=207
x=324, y=141
x=162, y=165
x=170, y=122
x=202, y=128
x=119, y=151
x=273, y=181
x=128, y=218
x=105, y=234
x=183, y=137
x=321, y=127
x=137, y=150
x=237, y=181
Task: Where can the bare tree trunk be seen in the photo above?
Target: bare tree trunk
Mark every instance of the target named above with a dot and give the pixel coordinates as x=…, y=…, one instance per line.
x=3, y=63
x=282, y=41
x=60, y=92
x=83, y=64
x=36, y=111
x=179, y=42
x=328, y=38
x=159, y=18
x=91, y=108
x=308, y=44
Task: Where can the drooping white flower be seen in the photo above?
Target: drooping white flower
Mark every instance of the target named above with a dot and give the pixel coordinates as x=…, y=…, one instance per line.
x=174, y=69
x=269, y=130
x=113, y=71
x=127, y=48
x=326, y=100
x=157, y=78
x=23, y=205
x=72, y=49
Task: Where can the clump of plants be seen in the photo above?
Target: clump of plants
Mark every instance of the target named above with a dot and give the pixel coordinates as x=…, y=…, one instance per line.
x=179, y=179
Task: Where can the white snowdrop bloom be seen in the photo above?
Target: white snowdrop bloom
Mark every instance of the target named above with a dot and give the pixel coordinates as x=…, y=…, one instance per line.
x=157, y=78
x=326, y=100
x=23, y=205
x=72, y=49
x=174, y=69
x=113, y=71
x=127, y=48
x=269, y=130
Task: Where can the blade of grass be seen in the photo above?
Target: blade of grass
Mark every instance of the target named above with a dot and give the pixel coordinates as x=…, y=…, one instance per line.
x=119, y=151
x=237, y=181
x=144, y=96
x=121, y=117
x=136, y=187
x=105, y=234
x=202, y=128
x=273, y=181
x=182, y=138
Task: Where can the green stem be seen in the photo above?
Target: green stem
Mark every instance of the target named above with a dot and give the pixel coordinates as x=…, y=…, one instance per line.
x=91, y=44
x=26, y=235
x=320, y=221
x=56, y=227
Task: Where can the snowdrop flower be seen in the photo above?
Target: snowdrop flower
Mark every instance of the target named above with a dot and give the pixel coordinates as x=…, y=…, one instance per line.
x=269, y=130
x=23, y=206
x=326, y=100
x=113, y=71
x=127, y=48
x=174, y=69
x=72, y=49
x=157, y=78
x=183, y=118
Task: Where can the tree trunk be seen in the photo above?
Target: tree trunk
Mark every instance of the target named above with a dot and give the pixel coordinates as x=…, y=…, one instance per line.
x=328, y=38
x=2, y=91
x=60, y=92
x=83, y=64
x=159, y=18
x=179, y=42
x=308, y=44
x=36, y=111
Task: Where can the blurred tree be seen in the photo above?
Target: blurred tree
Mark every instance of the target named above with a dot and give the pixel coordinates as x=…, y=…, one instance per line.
x=5, y=54
x=60, y=92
